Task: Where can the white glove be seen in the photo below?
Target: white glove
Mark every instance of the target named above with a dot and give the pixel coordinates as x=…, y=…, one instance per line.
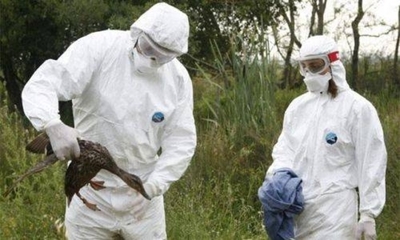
x=151, y=189
x=141, y=205
x=63, y=139
x=366, y=228
x=124, y=199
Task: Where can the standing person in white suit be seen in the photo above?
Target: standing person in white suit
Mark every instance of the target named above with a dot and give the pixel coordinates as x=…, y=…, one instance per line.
x=130, y=94
x=333, y=140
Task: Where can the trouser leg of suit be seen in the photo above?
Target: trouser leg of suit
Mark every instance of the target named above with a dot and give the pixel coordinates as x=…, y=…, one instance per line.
x=329, y=216
x=110, y=223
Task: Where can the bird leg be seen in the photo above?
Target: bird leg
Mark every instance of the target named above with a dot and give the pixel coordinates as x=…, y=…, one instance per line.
x=88, y=204
x=97, y=185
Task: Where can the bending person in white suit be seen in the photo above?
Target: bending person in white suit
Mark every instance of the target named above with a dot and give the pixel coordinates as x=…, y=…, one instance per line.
x=130, y=94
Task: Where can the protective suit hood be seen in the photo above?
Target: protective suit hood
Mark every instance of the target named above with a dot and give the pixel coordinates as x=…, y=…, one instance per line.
x=317, y=45
x=165, y=25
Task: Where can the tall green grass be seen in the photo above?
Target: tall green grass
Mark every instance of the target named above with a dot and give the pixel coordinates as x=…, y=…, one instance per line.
x=29, y=212
x=388, y=107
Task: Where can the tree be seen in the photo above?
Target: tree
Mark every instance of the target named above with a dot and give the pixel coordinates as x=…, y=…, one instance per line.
x=318, y=9
x=28, y=29
x=356, y=35
x=34, y=31
x=289, y=18
x=219, y=21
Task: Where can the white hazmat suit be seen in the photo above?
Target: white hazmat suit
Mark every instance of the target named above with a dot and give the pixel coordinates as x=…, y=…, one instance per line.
x=133, y=114
x=335, y=145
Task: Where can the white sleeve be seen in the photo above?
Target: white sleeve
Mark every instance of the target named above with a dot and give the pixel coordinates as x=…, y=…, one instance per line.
x=282, y=153
x=59, y=80
x=371, y=160
x=178, y=144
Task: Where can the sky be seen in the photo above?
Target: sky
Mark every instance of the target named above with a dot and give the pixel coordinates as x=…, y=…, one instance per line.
x=387, y=9
x=383, y=10
x=339, y=26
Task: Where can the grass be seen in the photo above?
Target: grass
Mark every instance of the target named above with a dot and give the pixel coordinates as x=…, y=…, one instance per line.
x=389, y=112
x=31, y=210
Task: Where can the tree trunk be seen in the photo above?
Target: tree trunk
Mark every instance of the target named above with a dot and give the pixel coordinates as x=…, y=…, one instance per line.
x=290, y=21
x=11, y=80
x=318, y=9
x=320, y=13
x=313, y=14
x=288, y=71
x=396, y=77
x=356, y=34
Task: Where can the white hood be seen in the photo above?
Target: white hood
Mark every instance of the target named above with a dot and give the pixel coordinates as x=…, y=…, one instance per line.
x=165, y=25
x=324, y=45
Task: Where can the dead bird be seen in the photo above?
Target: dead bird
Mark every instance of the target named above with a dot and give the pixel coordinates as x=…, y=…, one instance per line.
x=81, y=170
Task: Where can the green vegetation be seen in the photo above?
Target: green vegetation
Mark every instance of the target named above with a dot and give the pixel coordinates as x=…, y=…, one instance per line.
x=239, y=113
x=31, y=211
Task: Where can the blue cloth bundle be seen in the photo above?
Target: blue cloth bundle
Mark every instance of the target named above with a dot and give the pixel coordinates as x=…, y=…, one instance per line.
x=281, y=197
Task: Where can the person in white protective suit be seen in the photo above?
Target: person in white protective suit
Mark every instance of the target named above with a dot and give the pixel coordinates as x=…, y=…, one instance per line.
x=130, y=94
x=332, y=138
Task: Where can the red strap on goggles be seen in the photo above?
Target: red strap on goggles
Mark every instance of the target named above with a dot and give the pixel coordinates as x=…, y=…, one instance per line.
x=333, y=56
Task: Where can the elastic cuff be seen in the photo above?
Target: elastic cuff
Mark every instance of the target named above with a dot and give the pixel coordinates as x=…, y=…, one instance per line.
x=52, y=123
x=366, y=218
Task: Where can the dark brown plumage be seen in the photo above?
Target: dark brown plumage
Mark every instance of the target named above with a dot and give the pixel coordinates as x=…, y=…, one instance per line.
x=80, y=171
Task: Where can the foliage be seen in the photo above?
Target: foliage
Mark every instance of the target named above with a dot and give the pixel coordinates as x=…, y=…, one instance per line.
x=388, y=107
x=29, y=212
x=34, y=31
x=243, y=103
x=23, y=44
x=216, y=21
x=376, y=74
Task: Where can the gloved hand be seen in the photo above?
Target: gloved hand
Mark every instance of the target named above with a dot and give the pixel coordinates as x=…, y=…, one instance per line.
x=127, y=199
x=151, y=189
x=141, y=205
x=366, y=228
x=63, y=139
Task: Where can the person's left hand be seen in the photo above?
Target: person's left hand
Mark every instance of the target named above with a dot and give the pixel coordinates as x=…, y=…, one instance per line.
x=366, y=228
x=140, y=203
x=150, y=189
x=140, y=206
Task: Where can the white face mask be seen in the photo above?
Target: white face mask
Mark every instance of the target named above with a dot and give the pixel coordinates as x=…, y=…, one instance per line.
x=317, y=82
x=142, y=64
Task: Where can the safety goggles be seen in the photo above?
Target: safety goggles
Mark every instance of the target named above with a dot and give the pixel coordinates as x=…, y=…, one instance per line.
x=152, y=50
x=316, y=64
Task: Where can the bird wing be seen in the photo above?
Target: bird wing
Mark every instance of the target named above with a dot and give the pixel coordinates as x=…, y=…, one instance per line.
x=39, y=144
x=40, y=166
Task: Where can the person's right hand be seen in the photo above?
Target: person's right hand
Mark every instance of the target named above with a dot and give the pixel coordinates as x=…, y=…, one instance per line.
x=63, y=139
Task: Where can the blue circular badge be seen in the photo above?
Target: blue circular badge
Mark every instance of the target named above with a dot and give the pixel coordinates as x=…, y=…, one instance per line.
x=158, y=117
x=331, y=138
